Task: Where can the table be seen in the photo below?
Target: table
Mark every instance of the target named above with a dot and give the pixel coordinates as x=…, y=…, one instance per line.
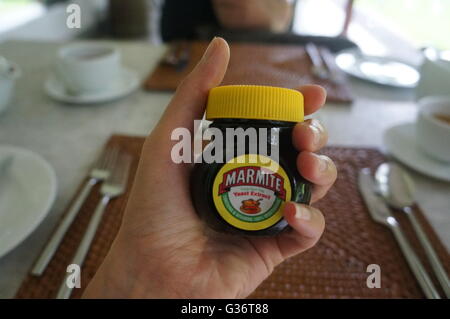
x=70, y=137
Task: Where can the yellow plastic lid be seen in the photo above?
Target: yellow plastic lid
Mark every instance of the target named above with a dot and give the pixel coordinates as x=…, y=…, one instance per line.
x=255, y=102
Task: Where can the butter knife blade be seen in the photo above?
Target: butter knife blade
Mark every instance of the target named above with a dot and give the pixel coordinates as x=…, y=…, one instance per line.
x=380, y=212
x=378, y=209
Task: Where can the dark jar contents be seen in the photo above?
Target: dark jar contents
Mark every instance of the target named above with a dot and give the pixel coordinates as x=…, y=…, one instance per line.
x=245, y=193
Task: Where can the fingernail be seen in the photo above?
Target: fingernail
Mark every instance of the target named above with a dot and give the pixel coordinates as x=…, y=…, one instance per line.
x=209, y=50
x=323, y=163
x=302, y=212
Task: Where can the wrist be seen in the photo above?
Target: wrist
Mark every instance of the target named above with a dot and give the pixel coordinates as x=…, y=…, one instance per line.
x=117, y=276
x=107, y=283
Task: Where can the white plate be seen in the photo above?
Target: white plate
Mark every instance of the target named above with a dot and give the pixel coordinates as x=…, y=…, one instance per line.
x=27, y=191
x=381, y=70
x=400, y=141
x=127, y=83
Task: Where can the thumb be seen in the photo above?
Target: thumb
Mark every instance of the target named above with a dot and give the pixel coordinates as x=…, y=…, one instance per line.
x=191, y=95
x=308, y=225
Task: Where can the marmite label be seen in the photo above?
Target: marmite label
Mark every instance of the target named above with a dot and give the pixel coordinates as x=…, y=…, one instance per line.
x=249, y=195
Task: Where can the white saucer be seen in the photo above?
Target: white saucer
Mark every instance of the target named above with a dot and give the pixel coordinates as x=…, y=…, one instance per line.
x=127, y=83
x=400, y=141
x=27, y=191
x=378, y=69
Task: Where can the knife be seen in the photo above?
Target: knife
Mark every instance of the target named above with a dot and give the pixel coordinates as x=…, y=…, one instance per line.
x=379, y=212
x=335, y=74
x=318, y=67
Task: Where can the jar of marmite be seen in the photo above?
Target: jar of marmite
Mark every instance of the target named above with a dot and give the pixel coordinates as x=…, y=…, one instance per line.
x=248, y=170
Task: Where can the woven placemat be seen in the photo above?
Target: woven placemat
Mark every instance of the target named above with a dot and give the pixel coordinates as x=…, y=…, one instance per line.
x=334, y=268
x=258, y=64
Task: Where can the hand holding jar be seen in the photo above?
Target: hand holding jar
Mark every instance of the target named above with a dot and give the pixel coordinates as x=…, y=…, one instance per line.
x=164, y=250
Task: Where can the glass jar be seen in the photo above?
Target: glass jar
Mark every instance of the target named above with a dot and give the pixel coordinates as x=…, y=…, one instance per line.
x=242, y=183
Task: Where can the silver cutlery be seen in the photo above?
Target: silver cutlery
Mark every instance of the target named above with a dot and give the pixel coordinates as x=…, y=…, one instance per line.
x=112, y=187
x=397, y=189
x=323, y=63
x=318, y=67
x=380, y=213
x=177, y=56
x=98, y=173
x=334, y=73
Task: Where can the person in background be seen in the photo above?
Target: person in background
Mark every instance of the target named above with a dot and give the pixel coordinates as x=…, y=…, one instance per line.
x=192, y=19
x=270, y=15
x=263, y=21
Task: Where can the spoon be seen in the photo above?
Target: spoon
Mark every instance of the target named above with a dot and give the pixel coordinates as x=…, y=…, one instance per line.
x=397, y=188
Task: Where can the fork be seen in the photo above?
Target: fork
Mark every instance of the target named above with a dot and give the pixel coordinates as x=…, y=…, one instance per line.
x=113, y=186
x=99, y=172
x=318, y=68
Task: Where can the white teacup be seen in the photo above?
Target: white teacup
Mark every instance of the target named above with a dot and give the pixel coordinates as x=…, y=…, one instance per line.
x=433, y=131
x=88, y=68
x=434, y=77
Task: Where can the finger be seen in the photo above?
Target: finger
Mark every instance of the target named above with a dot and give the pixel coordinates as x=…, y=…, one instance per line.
x=307, y=225
x=309, y=136
x=314, y=97
x=190, y=98
x=319, y=170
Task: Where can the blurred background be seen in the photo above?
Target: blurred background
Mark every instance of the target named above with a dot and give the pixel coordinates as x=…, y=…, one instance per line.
x=415, y=22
